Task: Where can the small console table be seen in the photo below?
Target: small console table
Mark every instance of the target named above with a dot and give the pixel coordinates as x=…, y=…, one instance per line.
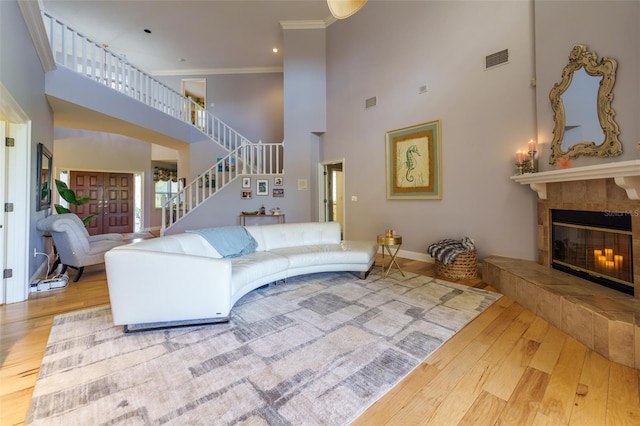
x=271, y=218
x=387, y=243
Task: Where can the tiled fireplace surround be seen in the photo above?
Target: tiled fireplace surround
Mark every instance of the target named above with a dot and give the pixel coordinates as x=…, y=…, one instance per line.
x=603, y=319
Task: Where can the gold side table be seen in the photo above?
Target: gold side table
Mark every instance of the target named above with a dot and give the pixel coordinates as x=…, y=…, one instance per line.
x=387, y=243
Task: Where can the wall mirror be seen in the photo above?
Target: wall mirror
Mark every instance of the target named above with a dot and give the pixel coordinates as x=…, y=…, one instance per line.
x=581, y=103
x=43, y=177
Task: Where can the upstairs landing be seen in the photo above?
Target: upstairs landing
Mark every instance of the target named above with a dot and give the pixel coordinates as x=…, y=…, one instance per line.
x=603, y=319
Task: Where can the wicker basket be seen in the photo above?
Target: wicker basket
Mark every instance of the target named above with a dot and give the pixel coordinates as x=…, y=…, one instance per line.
x=463, y=268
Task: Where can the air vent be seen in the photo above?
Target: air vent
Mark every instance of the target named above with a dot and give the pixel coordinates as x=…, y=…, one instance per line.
x=371, y=102
x=495, y=59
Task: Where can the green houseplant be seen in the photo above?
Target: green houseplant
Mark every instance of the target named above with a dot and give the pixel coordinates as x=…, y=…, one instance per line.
x=70, y=197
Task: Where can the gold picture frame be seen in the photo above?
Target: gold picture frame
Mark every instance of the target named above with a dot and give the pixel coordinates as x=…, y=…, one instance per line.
x=414, y=156
x=602, y=74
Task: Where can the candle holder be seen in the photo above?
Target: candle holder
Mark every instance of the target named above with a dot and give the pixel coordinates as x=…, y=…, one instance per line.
x=527, y=165
x=533, y=162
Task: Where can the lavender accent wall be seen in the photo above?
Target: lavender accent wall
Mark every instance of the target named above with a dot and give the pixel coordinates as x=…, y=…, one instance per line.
x=22, y=75
x=252, y=104
x=609, y=28
x=390, y=49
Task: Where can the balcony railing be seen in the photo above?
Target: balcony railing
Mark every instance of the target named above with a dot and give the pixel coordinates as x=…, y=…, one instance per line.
x=92, y=59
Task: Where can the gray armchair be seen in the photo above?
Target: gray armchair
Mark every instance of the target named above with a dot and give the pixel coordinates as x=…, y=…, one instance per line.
x=76, y=248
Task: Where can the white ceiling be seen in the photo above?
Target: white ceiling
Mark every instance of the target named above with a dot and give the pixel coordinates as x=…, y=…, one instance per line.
x=212, y=36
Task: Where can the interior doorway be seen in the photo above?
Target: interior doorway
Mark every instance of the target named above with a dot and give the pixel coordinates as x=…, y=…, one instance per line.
x=15, y=198
x=333, y=193
x=196, y=90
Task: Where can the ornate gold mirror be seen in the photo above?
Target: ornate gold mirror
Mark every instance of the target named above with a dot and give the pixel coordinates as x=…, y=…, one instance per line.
x=581, y=103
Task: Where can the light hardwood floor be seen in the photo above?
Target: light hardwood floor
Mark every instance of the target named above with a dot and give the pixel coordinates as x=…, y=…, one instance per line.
x=507, y=367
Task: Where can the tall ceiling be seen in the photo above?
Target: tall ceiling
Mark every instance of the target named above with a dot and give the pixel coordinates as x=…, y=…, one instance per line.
x=191, y=36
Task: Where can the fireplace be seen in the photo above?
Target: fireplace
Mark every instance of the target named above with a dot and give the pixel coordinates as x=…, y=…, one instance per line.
x=594, y=245
x=613, y=189
x=603, y=319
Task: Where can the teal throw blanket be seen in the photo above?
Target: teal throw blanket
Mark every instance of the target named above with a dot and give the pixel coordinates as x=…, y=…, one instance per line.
x=229, y=241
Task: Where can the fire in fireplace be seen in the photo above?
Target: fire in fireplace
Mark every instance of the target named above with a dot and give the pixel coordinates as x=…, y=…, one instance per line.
x=595, y=246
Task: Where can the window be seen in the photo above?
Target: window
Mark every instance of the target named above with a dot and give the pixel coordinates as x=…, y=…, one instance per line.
x=165, y=188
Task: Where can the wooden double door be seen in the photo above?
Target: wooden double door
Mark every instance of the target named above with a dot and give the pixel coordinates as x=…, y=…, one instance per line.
x=111, y=202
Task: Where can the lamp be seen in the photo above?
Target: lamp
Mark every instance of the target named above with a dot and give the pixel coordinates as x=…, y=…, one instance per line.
x=342, y=9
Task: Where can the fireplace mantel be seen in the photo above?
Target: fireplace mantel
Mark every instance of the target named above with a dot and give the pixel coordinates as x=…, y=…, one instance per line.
x=626, y=175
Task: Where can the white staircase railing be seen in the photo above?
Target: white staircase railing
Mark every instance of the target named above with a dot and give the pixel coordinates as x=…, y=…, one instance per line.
x=248, y=159
x=92, y=59
x=77, y=52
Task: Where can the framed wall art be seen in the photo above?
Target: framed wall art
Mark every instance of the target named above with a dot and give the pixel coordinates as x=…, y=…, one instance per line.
x=414, y=162
x=262, y=187
x=277, y=181
x=246, y=182
x=245, y=194
x=278, y=192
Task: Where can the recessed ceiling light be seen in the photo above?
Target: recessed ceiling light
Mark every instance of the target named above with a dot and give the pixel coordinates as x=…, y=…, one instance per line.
x=275, y=50
x=148, y=31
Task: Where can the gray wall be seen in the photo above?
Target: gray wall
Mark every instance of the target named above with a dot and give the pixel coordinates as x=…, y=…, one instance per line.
x=485, y=115
x=609, y=28
x=252, y=104
x=298, y=113
x=389, y=50
x=305, y=106
x=22, y=74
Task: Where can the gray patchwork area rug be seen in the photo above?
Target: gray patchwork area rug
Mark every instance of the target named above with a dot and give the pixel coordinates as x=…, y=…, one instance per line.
x=318, y=349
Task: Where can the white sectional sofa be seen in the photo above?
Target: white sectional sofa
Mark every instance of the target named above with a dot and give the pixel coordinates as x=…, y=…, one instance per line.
x=183, y=279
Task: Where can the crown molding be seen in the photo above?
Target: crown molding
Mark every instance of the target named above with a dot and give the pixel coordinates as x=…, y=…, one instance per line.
x=307, y=25
x=217, y=71
x=33, y=19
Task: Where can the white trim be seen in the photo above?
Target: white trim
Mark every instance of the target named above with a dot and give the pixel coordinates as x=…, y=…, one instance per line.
x=10, y=108
x=413, y=255
x=322, y=183
x=218, y=71
x=17, y=234
x=285, y=25
x=625, y=173
x=322, y=210
x=316, y=24
x=3, y=175
x=31, y=12
x=41, y=271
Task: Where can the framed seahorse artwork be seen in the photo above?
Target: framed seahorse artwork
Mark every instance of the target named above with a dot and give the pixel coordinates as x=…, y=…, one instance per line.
x=414, y=162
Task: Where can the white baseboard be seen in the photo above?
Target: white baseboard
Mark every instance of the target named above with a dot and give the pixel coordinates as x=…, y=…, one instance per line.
x=42, y=269
x=413, y=255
